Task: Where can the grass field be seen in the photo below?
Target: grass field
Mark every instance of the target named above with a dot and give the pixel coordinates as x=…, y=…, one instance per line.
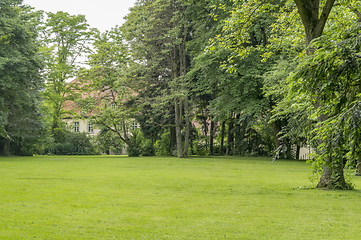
x=107, y=197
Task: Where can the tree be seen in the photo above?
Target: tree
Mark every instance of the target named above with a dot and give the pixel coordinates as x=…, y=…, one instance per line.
x=237, y=91
x=66, y=38
x=313, y=15
x=158, y=32
x=20, y=80
x=331, y=77
x=106, y=95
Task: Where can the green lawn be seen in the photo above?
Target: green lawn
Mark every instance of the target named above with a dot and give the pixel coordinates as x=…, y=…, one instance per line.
x=107, y=197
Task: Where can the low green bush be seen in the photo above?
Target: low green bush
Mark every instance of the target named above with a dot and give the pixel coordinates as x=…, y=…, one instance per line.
x=162, y=147
x=148, y=148
x=136, y=139
x=200, y=147
x=75, y=144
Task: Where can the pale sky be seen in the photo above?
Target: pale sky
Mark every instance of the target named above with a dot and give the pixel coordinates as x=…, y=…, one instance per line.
x=103, y=14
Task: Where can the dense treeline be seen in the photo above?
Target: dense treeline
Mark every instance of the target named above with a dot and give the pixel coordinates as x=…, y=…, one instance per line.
x=249, y=78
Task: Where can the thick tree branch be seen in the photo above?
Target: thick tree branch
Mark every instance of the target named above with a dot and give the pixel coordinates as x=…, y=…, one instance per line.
x=324, y=15
x=355, y=11
x=308, y=10
x=312, y=22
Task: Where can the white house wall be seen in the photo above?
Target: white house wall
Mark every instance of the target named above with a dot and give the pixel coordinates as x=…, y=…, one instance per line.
x=83, y=126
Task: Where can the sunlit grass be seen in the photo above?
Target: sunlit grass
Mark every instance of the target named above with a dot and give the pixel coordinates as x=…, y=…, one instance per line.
x=168, y=198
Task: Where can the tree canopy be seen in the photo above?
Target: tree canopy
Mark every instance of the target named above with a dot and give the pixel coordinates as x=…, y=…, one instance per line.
x=20, y=80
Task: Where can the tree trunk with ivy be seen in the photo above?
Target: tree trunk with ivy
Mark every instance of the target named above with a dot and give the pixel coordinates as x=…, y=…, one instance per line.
x=314, y=23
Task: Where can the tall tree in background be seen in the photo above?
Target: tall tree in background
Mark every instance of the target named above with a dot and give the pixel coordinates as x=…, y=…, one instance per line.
x=236, y=92
x=158, y=32
x=20, y=80
x=66, y=38
x=106, y=95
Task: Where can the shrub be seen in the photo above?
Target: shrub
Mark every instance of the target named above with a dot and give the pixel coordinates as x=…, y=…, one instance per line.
x=162, y=147
x=136, y=140
x=107, y=140
x=200, y=147
x=148, y=148
x=75, y=144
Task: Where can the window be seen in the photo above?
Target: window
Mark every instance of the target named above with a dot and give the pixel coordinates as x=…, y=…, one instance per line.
x=135, y=125
x=90, y=127
x=113, y=105
x=76, y=126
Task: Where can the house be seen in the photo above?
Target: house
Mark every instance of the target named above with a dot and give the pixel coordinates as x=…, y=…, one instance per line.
x=72, y=120
x=99, y=108
x=81, y=125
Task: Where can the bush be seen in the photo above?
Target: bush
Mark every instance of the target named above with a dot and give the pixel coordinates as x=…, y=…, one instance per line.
x=75, y=144
x=62, y=149
x=107, y=140
x=200, y=147
x=162, y=146
x=148, y=148
x=136, y=140
x=60, y=135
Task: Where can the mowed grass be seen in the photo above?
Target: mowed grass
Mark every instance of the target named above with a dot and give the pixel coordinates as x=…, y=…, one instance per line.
x=109, y=197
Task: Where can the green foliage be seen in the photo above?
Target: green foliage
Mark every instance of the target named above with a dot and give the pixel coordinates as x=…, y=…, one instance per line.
x=106, y=95
x=59, y=134
x=107, y=140
x=20, y=80
x=148, y=148
x=253, y=137
x=74, y=144
x=200, y=146
x=136, y=143
x=162, y=146
x=65, y=38
x=330, y=77
x=284, y=28
x=157, y=33
x=227, y=85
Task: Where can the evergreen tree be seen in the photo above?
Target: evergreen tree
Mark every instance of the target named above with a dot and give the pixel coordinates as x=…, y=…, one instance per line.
x=158, y=32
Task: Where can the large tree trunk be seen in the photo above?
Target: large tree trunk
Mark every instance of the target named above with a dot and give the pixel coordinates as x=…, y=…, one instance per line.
x=173, y=139
x=331, y=167
x=298, y=149
x=221, y=150
x=314, y=23
x=325, y=179
x=178, y=123
x=333, y=177
x=230, y=137
x=205, y=125
x=186, y=139
x=211, y=138
x=276, y=126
